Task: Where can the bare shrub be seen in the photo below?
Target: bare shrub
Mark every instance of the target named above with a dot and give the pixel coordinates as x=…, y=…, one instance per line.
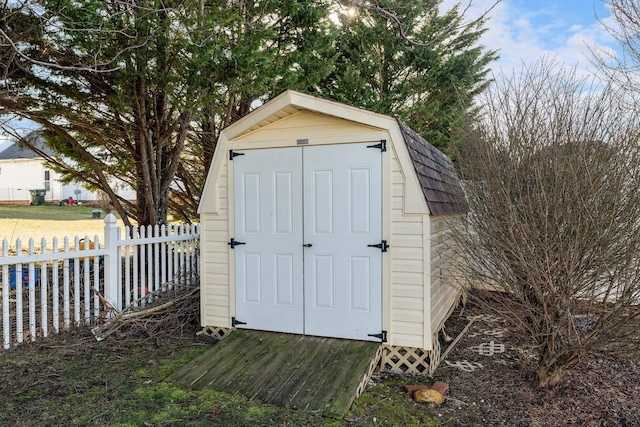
x=553, y=185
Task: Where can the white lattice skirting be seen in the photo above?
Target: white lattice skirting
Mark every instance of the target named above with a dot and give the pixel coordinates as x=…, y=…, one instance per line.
x=371, y=369
x=411, y=360
x=217, y=333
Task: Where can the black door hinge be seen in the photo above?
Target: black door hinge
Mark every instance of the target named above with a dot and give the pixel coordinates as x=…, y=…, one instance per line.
x=382, y=145
x=382, y=246
x=233, y=243
x=382, y=336
x=233, y=154
x=235, y=322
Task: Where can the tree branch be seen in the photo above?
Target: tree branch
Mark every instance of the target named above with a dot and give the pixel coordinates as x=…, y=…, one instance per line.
x=457, y=25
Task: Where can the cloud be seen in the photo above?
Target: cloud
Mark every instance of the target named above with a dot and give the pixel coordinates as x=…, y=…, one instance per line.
x=523, y=32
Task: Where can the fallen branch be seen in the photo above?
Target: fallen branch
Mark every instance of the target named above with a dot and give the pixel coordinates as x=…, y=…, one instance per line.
x=157, y=314
x=109, y=308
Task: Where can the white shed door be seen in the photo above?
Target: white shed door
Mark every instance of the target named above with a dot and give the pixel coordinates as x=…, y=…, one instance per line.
x=316, y=207
x=342, y=216
x=268, y=223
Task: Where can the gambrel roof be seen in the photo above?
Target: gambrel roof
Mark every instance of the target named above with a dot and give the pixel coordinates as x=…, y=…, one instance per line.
x=436, y=174
x=432, y=172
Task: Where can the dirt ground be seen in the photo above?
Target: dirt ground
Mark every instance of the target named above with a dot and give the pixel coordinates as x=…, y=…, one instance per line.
x=490, y=371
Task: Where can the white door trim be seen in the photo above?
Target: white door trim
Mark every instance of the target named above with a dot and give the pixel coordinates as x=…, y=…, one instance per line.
x=354, y=173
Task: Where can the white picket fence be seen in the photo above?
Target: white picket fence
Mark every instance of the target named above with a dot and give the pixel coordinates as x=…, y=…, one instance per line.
x=77, y=282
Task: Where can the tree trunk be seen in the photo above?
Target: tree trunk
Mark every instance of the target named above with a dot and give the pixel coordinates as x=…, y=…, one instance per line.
x=554, y=364
x=547, y=376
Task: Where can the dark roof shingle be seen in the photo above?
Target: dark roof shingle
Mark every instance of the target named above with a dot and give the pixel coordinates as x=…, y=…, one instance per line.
x=21, y=151
x=440, y=185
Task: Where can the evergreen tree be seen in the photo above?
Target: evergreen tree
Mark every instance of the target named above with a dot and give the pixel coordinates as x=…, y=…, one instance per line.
x=270, y=47
x=408, y=67
x=139, y=90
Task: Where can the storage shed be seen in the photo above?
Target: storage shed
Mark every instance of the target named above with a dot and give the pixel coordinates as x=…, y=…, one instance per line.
x=323, y=219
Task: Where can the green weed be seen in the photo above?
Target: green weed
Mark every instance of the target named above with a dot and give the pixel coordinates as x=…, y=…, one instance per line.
x=386, y=404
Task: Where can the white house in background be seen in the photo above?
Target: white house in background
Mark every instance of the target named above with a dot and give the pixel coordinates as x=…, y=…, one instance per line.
x=22, y=169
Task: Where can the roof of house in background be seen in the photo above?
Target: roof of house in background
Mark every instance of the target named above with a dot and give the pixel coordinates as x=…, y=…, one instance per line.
x=18, y=150
x=436, y=174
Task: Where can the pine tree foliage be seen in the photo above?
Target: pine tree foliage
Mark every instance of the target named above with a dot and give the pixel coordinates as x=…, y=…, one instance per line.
x=428, y=83
x=139, y=91
x=270, y=46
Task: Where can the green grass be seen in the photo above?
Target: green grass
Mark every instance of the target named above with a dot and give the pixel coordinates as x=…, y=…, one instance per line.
x=72, y=380
x=386, y=405
x=46, y=212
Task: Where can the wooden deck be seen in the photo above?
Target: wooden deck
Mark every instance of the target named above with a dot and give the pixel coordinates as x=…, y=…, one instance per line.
x=295, y=371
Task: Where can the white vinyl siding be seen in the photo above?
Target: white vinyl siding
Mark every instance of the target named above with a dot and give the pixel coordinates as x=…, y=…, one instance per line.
x=444, y=292
x=214, y=267
x=315, y=128
x=407, y=268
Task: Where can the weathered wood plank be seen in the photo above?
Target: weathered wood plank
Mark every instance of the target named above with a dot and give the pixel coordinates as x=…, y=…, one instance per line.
x=300, y=372
x=333, y=383
x=262, y=367
x=311, y=377
x=352, y=374
x=282, y=367
x=210, y=362
x=197, y=364
x=235, y=363
x=221, y=360
x=327, y=381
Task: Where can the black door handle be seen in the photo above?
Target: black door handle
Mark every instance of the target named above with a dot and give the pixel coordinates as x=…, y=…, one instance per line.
x=308, y=245
x=233, y=243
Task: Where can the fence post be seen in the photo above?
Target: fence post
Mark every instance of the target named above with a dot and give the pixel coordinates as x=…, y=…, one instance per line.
x=111, y=285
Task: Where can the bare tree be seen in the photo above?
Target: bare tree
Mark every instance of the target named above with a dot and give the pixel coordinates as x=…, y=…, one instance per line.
x=623, y=24
x=553, y=185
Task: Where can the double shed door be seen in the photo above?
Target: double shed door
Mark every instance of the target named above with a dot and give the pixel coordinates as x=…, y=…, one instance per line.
x=305, y=218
